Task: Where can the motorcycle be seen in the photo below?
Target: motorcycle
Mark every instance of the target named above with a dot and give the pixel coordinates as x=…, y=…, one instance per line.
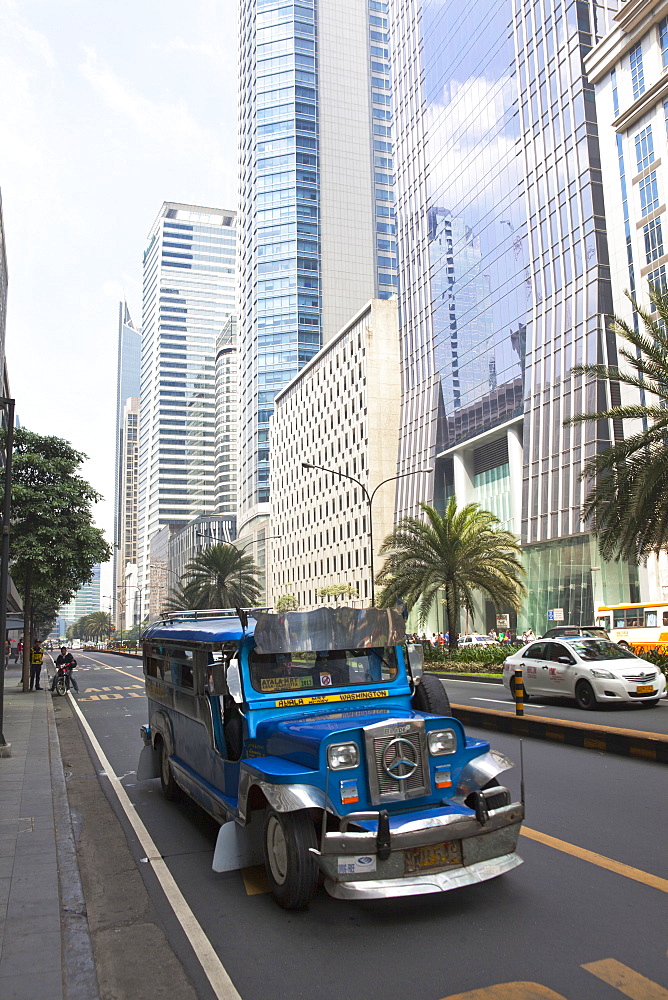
x=64, y=678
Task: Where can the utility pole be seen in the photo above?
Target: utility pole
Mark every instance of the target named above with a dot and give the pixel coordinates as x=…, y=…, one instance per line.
x=4, y=557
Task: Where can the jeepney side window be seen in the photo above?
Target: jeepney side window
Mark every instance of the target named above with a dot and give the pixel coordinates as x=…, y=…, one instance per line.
x=181, y=663
x=154, y=665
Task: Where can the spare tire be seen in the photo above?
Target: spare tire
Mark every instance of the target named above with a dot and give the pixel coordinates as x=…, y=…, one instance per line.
x=430, y=696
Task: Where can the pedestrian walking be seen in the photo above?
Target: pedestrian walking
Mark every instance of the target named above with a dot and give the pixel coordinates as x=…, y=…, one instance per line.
x=18, y=651
x=530, y=635
x=8, y=650
x=36, y=658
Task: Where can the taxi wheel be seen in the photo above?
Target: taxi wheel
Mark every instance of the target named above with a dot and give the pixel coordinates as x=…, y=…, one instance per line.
x=291, y=868
x=584, y=696
x=169, y=787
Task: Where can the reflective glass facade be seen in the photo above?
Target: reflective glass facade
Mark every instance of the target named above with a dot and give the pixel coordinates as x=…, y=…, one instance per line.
x=188, y=294
x=127, y=387
x=317, y=234
x=503, y=256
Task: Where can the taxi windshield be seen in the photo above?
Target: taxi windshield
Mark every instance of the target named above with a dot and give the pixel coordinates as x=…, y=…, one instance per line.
x=600, y=649
x=279, y=672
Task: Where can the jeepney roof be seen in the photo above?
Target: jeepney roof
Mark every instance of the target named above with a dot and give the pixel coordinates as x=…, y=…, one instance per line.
x=200, y=630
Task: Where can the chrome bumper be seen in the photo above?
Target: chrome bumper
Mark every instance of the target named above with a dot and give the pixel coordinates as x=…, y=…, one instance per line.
x=418, y=833
x=416, y=885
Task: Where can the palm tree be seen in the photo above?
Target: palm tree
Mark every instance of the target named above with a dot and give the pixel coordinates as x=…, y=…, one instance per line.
x=627, y=504
x=459, y=551
x=183, y=597
x=98, y=624
x=222, y=577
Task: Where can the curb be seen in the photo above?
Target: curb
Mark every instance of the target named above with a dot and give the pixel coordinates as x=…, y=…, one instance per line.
x=79, y=973
x=624, y=742
x=482, y=678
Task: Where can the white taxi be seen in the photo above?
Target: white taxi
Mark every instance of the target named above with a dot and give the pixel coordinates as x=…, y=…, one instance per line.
x=593, y=671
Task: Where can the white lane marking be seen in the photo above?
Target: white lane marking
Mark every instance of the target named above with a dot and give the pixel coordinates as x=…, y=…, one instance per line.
x=215, y=971
x=497, y=701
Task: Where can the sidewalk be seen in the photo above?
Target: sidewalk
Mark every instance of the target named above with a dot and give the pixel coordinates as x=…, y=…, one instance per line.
x=45, y=948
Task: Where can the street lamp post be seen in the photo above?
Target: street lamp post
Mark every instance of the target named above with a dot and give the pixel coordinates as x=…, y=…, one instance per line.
x=369, y=500
x=4, y=555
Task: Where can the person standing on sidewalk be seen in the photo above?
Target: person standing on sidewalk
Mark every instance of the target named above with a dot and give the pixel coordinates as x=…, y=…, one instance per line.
x=36, y=657
x=18, y=651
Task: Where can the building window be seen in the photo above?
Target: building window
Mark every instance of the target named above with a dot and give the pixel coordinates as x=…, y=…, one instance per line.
x=637, y=74
x=644, y=148
x=657, y=280
x=663, y=41
x=649, y=193
x=653, y=240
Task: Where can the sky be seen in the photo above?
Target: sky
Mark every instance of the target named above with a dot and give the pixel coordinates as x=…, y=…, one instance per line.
x=107, y=109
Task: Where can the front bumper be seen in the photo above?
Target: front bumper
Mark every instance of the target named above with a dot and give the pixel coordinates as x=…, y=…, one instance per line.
x=609, y=690
x=417, y=885
x=487, y=850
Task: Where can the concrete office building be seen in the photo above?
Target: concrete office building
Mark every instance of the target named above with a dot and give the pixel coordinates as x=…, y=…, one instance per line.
x=505, y=276
x=188, y=294
x=127, y=387
x=227, y=423
x=197, y=536
x=628, y=69
x=317, y=233
x=341, y=412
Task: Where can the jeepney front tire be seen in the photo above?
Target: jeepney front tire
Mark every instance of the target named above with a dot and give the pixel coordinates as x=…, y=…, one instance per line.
x=291, y=868
x=430, y=696
x=169, y=787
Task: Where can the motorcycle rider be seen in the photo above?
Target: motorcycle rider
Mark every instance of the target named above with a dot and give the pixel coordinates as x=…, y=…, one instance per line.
x=68, y=660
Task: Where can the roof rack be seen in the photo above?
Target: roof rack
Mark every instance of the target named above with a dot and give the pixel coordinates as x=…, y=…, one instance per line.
x=209, y=613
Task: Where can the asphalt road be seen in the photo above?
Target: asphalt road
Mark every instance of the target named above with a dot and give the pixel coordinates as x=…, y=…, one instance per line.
x=481, y=694
x=543, y=923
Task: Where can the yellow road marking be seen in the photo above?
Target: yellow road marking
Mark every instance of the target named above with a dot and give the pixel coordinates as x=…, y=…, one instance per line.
x=109, y=667
x=255, y=880
x=654, y=881
x=626, y=980
x=509, y=991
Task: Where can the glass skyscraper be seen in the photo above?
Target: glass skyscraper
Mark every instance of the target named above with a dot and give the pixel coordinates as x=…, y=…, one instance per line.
x=504, y=274
x=127, y=387
x=317, y=231
x=188, y=294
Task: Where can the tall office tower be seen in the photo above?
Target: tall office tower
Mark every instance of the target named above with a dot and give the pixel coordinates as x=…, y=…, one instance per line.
x=127, y=387
x=504, y=276
x=3, y=291
x=628, y=70
x=189, y=287
x=85, y=601
x=317, y=231
x=126, y=553
x=227, y=418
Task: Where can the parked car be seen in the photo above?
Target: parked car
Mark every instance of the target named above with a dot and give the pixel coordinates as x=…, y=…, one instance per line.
x=561, y=631
x=476, y=640
x=593, y=671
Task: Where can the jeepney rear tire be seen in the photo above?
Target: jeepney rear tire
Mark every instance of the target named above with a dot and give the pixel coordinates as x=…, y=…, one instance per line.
x=169, y=787
x=430, y=696
x=291, y=868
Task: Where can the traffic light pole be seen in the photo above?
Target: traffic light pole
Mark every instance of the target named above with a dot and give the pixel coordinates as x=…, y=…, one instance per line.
x=4, y=559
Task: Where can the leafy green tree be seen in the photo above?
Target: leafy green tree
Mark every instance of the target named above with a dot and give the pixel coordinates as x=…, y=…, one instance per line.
x=53, y=544
x=627, y=502
x=337, y=590
x=287, y=602
x=459, y=552
x=221, y=577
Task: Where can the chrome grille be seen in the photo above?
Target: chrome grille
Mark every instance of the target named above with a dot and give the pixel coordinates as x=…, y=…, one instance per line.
x=640, y=678
x=397, y=761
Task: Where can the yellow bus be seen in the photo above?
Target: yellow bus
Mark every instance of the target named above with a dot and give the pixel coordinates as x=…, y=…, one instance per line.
x=636, y=626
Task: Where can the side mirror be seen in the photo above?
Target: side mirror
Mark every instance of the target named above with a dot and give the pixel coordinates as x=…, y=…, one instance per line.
x=566, y=660
x=415, y=661
x=234, y=682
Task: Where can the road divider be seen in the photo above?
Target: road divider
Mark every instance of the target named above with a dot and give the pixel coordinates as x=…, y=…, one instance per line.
x=625, y=742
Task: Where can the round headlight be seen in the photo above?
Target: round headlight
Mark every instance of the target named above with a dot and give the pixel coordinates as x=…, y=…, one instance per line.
x=342, y=755
x=442, y=741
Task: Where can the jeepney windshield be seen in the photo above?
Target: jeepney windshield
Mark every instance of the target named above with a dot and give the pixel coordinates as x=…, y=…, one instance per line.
x=278, y=672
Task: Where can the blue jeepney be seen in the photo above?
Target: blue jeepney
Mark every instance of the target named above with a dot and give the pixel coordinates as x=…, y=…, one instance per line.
x=319, y=745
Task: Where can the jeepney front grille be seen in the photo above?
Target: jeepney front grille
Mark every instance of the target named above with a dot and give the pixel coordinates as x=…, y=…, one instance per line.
x=397, y=762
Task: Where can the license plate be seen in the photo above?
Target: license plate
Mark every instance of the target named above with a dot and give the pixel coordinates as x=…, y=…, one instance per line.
x=419, y=859
x=644, y=689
